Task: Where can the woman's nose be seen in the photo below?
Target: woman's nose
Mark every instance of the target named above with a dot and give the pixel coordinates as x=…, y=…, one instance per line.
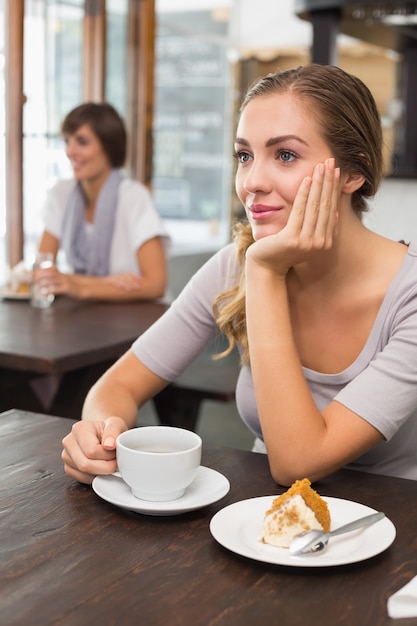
x=257, y=179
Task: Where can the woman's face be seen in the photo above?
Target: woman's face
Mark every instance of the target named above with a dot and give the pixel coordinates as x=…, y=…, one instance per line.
x=84, y=150
x=277, y=146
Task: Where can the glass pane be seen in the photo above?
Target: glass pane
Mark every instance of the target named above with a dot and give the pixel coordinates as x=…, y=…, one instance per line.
x=192, y=141
x=116, y=64
x=2, y=151
x=53, y=32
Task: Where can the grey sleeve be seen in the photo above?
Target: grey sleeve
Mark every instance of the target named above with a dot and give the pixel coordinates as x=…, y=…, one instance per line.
x=188, y=326
x=385, y=392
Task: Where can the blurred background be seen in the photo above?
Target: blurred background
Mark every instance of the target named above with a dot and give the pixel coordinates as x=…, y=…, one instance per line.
x=176, y=71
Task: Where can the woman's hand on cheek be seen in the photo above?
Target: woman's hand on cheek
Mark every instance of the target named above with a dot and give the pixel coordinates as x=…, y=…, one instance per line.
x=311, y=224
x=314, y=214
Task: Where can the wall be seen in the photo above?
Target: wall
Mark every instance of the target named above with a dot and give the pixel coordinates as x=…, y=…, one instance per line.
x=181, y=267
x=393, y=211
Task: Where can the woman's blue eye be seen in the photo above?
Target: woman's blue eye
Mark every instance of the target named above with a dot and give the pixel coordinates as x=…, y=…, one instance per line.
x=242, y=157
x=286, y=156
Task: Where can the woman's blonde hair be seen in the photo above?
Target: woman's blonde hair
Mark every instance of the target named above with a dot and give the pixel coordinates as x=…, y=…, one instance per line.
x=345, y=110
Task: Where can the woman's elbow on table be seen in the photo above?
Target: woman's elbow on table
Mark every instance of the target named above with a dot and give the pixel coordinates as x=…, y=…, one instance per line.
x=286, y=477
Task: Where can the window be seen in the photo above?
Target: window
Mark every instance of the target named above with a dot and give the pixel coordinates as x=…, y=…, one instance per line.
x=192, y=127
x=2, y=149
x=116, y=64
x=53, y=43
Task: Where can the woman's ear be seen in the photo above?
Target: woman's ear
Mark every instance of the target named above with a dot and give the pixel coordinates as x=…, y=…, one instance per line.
x=352, y=182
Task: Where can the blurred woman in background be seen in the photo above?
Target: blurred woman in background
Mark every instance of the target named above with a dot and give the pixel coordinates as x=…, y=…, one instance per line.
x=114, y=241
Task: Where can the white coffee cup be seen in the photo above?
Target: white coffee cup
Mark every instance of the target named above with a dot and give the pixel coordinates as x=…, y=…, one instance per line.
x=158, y=462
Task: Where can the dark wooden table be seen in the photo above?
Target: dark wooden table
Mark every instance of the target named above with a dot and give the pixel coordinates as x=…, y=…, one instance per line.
x=70, y=558
x=73, y=342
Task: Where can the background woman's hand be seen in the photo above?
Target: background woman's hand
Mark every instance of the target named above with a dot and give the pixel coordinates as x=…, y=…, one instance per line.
x=310, y=226
x=58, y=283
x=127, y=282
x=79, y=286
x=90, y=448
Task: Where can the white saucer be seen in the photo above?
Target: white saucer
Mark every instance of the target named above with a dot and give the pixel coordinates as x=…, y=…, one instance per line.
x=208, y=487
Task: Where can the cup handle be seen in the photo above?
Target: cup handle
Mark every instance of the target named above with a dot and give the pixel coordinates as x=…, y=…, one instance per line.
x=117, y=474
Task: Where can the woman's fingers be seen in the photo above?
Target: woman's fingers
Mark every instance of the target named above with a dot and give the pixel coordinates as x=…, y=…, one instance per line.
x=314, y=213
x=78, y=465
x=329, y=197
x=314, y=205
x=84, y=453
x=334, y=205
x=298, y=211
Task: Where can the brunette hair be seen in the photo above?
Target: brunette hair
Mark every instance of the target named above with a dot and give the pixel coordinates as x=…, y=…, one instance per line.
x=345, y=111
x=106, y=123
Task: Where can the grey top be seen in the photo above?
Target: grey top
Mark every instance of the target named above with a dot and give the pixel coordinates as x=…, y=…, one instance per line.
x=380, y=385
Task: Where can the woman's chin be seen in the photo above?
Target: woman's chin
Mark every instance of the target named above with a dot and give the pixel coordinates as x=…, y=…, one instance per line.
x=259, y=232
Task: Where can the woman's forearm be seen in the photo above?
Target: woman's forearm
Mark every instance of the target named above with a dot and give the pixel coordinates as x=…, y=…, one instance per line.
x=113, y=288
x=301, y=440
x=122, y=390
x=107, y=399
x=294, y=430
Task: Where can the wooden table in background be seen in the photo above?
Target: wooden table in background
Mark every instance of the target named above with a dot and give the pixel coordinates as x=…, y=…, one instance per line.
x=70, y=558
x=73, y=341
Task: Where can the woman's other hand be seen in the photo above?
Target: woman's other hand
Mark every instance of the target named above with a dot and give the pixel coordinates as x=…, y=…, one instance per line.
x=90, y=448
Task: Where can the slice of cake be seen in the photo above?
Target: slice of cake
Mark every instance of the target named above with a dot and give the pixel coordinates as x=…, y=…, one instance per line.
x=298, y=509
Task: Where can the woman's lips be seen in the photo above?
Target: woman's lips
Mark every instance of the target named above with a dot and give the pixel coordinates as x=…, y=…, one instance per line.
x=261, y=212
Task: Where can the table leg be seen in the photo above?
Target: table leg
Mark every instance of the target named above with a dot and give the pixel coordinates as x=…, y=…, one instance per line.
x=178, y=407
x=38, y=393
x=73, y=388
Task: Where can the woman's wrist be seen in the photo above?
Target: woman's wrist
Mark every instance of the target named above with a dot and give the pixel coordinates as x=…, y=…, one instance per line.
x=261, y=271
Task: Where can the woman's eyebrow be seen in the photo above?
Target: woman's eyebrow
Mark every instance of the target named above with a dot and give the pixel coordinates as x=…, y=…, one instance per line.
x=283, y=138
x=242, y=142
x=274, y=140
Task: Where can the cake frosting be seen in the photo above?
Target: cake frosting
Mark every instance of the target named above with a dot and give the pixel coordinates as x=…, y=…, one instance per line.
x=295, y=511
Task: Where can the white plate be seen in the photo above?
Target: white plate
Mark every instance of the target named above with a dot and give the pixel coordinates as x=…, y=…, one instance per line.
x=208, y=487
x=238, y=527
x=8, y=294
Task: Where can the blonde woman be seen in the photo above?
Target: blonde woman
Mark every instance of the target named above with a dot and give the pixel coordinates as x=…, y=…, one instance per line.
x=322, y=310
